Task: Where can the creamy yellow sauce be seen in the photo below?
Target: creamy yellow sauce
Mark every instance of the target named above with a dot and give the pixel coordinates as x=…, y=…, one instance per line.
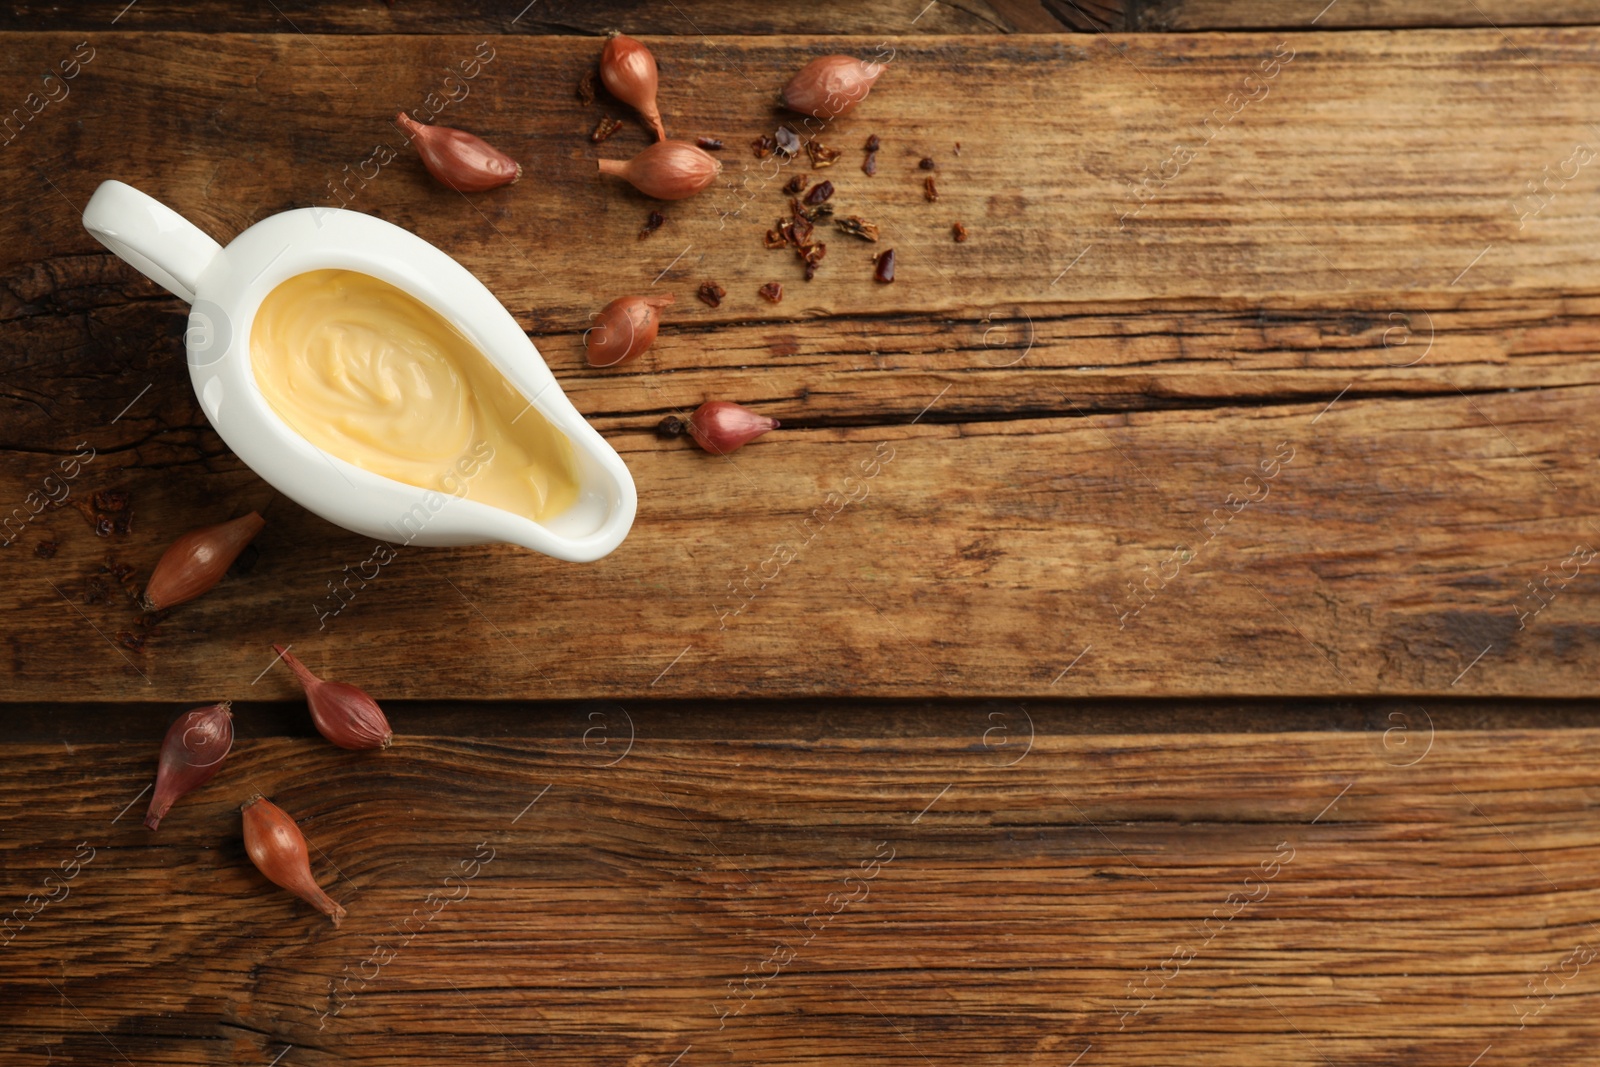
x=372, y=375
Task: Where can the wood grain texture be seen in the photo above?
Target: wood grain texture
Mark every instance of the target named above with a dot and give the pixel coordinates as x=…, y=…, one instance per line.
x=693, y=18
x=1192, y=15
x=1366, y=897
x=1343, y=274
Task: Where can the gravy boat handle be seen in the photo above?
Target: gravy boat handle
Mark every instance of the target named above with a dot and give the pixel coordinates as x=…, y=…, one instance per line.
x=163, y=245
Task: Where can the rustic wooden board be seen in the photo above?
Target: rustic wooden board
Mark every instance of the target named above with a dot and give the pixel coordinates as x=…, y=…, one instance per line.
x=731, y=17
x=1190, y=15
x=685, y=17
x=1341, y=275
x=1382, y=896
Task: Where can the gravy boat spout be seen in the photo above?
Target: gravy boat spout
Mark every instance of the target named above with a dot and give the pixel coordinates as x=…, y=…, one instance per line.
x=226, y=288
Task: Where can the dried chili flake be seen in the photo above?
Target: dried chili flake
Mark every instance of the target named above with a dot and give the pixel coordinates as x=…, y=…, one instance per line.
x=873, y=144
x=605, y=128
x=885, y=269
x=778, y=236
x=821, y=155
x=712, y=293
x=710, y=144
x=787, y=140
x=810, y=214
x=811, y=254
x=586, y=86
x=958, y=148
x=958, y=231
x=108, y=511
x=926, y=163
x=671, y=426
x=930, y=190
x=858, y=227
x=45, y=549
x=869, y=166
x=762, y=146
x=772, y=291
x=799, y=229
x=819, y=192
x=652, y=223
x=797, y=184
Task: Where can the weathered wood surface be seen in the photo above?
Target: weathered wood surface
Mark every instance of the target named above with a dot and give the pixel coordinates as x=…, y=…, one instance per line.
x=1190, y=15
x=1341, y=279
x=681, y=17
x=1382, y=896
x=733, y=17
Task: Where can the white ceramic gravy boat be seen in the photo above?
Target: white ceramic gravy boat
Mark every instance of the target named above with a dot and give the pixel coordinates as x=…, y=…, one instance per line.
x=225, y=286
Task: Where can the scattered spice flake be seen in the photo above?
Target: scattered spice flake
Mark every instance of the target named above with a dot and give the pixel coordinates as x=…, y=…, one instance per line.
x=778, y=236
x=858, y=227
x=927, y=163
x=821, y=155
x=885, y=270
x=799, y=229
x=586, y=86
x=671, y=426
x=762, y=146
x=652, y=223
x=958, y=148
x=958, y=231
x=820, y=192
x=869, y=166
x=812, y=254
x=712, y=293
x=772, y=291
x=810, y=214
x=797, y=184
x=45, y=549
x=930, y=190
x=96, y=591
x=787, y=140
x=605, y=128
x=131, y=640
x=710, y=144
x=108, y=512
x=873, y=144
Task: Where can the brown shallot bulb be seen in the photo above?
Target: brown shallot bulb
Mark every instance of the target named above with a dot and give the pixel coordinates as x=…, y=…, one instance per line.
x=830, y=86
x=278, y=849
x=197, y=561
x=624, y=329
x=629, y=71
x=192, y=752
x=667, y=170
x=345, y=715
x=464, y=162
x=720, y=427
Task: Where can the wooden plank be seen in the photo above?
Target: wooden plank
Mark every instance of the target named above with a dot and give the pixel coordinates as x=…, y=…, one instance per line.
x=1291, y=200
x=1192, y=15
x=1296, y=898
x=1257, y=302
x=693, y=18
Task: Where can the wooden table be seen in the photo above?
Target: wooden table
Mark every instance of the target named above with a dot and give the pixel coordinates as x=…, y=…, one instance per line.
x=1199, y=675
